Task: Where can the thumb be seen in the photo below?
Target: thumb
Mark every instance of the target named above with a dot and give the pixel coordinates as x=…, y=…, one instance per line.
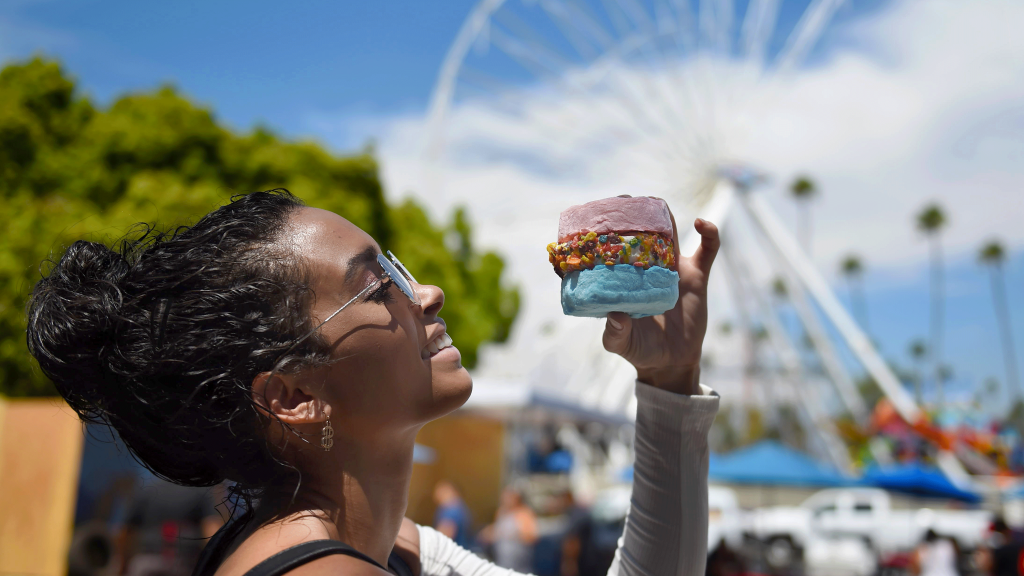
x=617, y=331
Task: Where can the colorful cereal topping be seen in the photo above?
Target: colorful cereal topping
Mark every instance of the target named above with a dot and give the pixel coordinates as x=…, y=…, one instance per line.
x=586, y=250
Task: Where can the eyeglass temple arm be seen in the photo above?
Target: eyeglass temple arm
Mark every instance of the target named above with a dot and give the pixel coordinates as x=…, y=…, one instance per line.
x=320, y=325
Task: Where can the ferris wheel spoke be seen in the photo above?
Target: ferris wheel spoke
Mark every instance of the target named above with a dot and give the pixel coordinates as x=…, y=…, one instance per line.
x=676, y=107
x=554, y=128
x=663, y=21
x=658, y=93
x=638, y=14
x=560, y=15
x=808, y=29
x=723, y=26
x=631, y=110
x=669, y=132
x=685, y=26
x=633, y=102
x=528, y=35
x=757, y=28
x=529, y=56
x=612, y=63
x=617, y=17
x=597, y=31
x=707, y=24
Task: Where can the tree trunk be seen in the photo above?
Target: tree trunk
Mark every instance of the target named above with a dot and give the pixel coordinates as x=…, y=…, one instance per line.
x=937, y=316
x=1002, y=307
x=919, y=385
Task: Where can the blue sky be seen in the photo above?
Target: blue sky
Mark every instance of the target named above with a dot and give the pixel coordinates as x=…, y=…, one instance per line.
x=253, y=62
x=343, y=72
x=266, y=62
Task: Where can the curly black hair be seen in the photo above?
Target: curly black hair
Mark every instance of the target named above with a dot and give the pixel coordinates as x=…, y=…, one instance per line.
x=161, y=337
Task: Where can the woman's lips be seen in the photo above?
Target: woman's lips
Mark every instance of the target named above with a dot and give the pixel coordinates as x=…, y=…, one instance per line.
x=439, y=344
x=448, y=352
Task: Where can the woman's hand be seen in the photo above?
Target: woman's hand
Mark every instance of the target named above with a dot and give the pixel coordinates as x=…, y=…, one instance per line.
x=665, y=349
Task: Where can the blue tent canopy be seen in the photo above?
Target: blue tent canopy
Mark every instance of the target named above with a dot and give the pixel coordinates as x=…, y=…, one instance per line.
x=771, y=463
x=917, y=479
x=1016, y=492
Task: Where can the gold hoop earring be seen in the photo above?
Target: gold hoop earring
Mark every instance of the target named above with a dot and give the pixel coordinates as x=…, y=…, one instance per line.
x=327, y=439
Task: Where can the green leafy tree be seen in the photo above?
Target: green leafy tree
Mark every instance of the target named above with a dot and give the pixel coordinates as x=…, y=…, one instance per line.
x=69, y=170
x=930, y=221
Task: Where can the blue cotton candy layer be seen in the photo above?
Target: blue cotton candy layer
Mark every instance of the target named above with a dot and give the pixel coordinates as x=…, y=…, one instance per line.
x=620, y=288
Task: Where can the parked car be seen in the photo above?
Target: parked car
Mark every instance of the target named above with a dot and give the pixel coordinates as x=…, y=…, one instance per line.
x=838, y=556
x=725, y=518
x=864, y=513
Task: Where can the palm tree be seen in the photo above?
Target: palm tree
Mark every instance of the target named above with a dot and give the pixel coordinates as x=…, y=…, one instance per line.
x=943, y=374
x=993, y=255
x=804, y=190
x=919, y=352
x=853, y=270
x=931, y=220
x=779, y=288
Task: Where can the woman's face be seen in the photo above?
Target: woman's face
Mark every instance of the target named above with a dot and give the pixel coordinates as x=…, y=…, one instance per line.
x=383, y=377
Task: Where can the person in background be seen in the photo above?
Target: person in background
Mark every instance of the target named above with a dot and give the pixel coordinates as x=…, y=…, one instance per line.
x=576, y=540
x=935, y=556
x=1004, y=555
x=513, y=532
x=725, y=561
x=452, y=516
x=166, y=528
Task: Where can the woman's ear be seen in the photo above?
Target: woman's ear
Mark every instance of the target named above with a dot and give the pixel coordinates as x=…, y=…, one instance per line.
x=282, y=396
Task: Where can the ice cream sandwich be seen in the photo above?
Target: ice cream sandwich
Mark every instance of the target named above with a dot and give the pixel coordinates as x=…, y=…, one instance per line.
x=616, y=255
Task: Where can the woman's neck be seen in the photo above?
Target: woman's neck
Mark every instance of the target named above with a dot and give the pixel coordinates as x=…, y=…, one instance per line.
x=358, y=491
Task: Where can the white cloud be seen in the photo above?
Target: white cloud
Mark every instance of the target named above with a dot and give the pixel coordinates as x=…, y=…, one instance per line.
x=928, y=106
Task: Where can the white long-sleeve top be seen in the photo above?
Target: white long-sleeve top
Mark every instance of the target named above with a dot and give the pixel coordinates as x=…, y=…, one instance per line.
x=666, y=529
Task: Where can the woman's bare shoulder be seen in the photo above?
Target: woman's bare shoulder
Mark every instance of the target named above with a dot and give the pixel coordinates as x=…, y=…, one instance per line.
x=269, y=540
x=263, y=542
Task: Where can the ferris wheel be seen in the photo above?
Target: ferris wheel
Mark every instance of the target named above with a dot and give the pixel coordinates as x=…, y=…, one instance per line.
x=566, y=101
x=656, y=93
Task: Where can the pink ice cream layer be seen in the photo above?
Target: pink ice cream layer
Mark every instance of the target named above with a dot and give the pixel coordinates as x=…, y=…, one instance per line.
x=641, y=214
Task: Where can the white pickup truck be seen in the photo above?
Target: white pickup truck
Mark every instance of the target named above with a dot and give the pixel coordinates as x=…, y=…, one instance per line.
x=726, y=520
x=864, y=513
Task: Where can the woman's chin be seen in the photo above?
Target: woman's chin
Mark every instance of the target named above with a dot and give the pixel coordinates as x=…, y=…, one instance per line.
x=452, y=393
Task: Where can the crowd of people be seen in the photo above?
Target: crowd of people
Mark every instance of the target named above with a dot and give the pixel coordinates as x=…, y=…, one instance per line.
x=164, y=527
x=574, y=545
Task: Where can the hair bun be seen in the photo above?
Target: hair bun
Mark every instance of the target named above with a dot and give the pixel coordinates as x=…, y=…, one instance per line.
x=72, y=315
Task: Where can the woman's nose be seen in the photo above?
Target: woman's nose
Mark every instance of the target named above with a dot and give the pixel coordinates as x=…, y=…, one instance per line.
x=431, y=299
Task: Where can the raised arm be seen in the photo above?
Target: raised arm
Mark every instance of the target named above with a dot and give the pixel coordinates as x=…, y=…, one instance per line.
x=666, y=529
x=667, y=526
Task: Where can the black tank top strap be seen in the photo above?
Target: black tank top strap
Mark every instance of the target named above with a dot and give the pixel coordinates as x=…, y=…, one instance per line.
x=291, y=558
x=214, y=552
x=398, y=565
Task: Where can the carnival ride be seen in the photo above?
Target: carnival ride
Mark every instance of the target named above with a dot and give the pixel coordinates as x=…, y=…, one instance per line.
x=566, y=101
